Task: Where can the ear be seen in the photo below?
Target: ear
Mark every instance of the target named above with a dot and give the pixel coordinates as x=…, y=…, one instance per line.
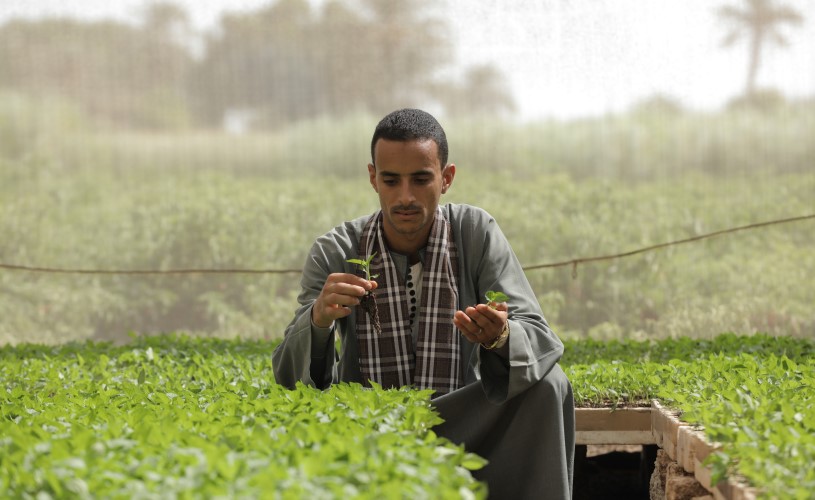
x=372, y=176
x=447, y=176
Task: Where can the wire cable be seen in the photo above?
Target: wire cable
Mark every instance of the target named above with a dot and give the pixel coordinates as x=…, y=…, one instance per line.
x=571, y=262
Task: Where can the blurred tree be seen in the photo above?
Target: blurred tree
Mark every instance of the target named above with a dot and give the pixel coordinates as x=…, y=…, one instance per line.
x=483, y=92
x=763, y=100
x=661, y=105
x=118, y=73
x=405, y=49
x=167, y=22
x=287, y=62
x=284, y=62
x=168, y=27
x=261, y=61
x=759, y=21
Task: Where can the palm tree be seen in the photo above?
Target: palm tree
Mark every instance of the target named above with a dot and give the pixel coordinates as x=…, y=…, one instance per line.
x=759, y=21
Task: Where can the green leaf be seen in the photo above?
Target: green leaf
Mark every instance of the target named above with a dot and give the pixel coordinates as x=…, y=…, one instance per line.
x=365, y=265
x=496, y=297
x=473, y=462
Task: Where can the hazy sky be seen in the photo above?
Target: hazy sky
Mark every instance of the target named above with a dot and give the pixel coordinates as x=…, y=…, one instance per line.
x=567, y=58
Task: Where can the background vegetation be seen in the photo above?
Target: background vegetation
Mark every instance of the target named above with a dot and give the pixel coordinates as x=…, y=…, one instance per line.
x=559, y=191
x=146, y=145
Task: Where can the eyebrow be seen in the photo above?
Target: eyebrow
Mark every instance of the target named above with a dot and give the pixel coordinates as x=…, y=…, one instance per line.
x=424, y=171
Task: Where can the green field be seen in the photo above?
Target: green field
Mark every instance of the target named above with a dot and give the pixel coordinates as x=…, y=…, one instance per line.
x=190, y=417
x=75, y=196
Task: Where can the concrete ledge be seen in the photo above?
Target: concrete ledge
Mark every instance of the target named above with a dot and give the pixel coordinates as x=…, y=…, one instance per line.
x=610, y=426
x=688, y=447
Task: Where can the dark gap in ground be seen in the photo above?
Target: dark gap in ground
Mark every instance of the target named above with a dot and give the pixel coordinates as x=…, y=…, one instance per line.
x=613, y=472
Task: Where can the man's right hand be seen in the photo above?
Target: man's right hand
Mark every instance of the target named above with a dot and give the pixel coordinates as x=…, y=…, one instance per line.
x=340, y=291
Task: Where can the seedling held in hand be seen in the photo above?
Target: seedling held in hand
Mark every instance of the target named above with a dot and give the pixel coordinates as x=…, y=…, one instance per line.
x=494, y=298
x=365, y=265
x=368, y=301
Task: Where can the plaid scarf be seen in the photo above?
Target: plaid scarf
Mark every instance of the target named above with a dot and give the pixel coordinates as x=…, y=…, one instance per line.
x=388, y=358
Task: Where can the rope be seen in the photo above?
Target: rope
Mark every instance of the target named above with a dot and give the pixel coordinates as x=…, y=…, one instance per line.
x=572, y=262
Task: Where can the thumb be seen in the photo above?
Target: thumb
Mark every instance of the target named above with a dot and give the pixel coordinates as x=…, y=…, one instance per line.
x=499, y=306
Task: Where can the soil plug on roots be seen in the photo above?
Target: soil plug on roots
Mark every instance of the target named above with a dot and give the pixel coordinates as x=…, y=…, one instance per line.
x=368, y=301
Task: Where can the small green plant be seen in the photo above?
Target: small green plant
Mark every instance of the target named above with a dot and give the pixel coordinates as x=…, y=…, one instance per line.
x=365, y=265
x=368, y=301
x=494, y=298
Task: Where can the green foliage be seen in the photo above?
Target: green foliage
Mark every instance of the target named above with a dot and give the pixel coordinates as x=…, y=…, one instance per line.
x=180, y=417
x=637, y=146
x=365, y=265
x=752, y=394
x=26, y=124
x=751, y=281
x=496, y=297
x=208, y=200
x=588, y=351
x=202, y=417
x=748, y=281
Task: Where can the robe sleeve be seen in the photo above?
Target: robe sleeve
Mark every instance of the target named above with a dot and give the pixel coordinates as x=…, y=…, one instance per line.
x=307, y=353
x=534, y=349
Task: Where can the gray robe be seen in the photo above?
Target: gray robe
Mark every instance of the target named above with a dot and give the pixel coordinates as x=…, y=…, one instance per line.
x=516, y=408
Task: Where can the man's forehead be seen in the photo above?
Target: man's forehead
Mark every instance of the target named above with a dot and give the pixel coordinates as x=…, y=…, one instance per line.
x=410, y=150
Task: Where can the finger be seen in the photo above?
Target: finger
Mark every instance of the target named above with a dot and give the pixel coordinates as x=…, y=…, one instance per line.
x=469, y=335
x=339, y=295
x=495, y=316
x=350, y=279
x=344, y=293
x=323, y=314
x=336, y=311
x=498, y=306
x=468, y=328
x=478, y=317
x=347, y=284
x=340, y=292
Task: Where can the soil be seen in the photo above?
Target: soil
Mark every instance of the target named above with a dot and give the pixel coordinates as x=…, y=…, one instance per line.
x=368, y=302
x=613, y=472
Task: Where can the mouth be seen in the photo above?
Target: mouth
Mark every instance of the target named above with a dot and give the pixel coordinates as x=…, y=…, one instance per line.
x=406, y=214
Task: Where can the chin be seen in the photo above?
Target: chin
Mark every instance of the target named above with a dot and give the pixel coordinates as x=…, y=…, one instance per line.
x=405, y=228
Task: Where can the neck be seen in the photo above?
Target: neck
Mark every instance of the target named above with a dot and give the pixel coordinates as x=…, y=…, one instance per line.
x=406, y=244
x=408, y=248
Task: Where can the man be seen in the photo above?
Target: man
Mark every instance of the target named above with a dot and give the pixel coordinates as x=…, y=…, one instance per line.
x=493, y=366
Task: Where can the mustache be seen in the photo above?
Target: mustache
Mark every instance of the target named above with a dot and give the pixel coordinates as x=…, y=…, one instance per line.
x=409, y=208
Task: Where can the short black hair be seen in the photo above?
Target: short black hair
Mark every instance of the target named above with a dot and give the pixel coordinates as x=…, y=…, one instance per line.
x=410, y=125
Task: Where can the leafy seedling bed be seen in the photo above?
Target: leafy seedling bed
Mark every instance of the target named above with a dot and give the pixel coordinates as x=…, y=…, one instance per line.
x=752, y=395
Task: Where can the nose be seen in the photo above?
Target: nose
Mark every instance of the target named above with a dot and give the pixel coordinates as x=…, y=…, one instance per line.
x=406, y=197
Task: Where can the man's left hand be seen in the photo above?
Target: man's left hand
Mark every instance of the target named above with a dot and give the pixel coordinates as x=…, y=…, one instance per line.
x=481, y=324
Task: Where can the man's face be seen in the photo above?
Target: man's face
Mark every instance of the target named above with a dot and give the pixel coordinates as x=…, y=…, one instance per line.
x=409, y=179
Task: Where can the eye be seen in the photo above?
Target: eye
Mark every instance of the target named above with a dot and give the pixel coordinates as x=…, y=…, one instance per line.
x=389, y=181
x=421, y=180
